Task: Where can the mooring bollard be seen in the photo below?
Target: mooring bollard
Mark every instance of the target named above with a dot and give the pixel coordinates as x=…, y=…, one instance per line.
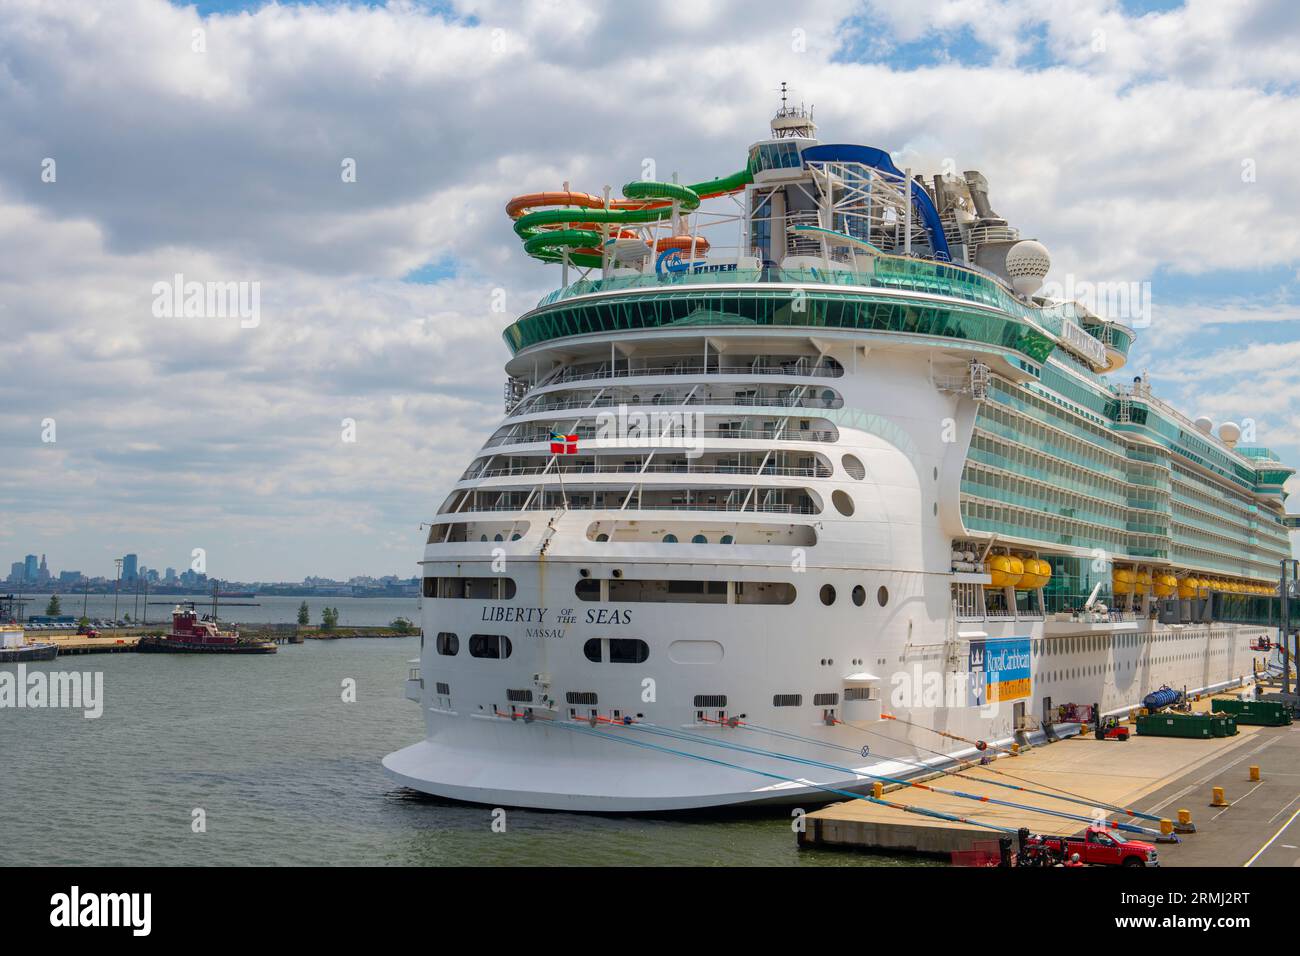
x=877, y=789
x=1254, y=773
x=1184, y=824
x=1166, y=827
x=1218, y=800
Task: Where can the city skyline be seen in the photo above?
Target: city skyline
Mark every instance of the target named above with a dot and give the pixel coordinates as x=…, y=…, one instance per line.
x=167, y=575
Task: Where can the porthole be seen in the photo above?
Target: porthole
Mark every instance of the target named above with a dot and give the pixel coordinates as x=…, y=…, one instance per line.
x=859, y=595
x=499, y=538
x=727, y=539
x=882, y=595
x=602, y=537
x=447, y=644
x=516, y=536
x=495, y=646
x=843, y=503
x=853, y=467
x=827, y=594
x=592, y=650
x=628, y=650
x=670, y=538
x=699, y=539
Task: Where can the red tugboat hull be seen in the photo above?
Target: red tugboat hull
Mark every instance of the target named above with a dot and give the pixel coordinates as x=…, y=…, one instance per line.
x=164, y=645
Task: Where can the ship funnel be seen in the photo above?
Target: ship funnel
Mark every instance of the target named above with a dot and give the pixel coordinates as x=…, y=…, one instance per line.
x=979, y=194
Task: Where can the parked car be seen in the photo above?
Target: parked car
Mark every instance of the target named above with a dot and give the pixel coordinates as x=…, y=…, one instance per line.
x=1098, y=846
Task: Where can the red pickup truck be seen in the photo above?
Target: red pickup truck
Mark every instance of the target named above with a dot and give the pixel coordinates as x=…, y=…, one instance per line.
x=1100, y=847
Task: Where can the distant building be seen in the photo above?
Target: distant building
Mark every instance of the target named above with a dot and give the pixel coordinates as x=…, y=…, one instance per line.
x=170, y=575
x=130, y=567
x=16, y=572
x=43, y=572
x=30, y=568
x=70, y=577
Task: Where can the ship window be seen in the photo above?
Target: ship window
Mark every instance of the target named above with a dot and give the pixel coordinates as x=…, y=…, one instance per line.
x=843, y=503
x=710, y=700
x=592, y=650
x=495, y=588
x=857, y=693
x=882, y=595
x=581, y=697
x=627, y=650
x=587, y=589
x=524, y=696
x=602, y=537
x=825, y=700
x=670, y=538
x=787, y=700
x=827, y=594
x=853, y=467
x=448, y=644
x=699, y=539
x=727, y=539
x=859, y=595
x=444, y=689
x=494, y=646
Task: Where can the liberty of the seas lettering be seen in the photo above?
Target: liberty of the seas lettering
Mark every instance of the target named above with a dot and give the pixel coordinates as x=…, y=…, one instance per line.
x=608, y=616
x=523, y=615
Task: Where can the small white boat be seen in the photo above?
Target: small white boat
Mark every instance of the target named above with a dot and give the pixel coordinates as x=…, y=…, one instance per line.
x=15, y=645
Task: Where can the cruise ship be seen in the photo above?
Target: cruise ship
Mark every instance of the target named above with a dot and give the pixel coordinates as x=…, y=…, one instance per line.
x=807, y=477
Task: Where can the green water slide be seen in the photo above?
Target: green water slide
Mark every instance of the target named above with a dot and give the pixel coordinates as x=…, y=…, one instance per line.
x=551, y=245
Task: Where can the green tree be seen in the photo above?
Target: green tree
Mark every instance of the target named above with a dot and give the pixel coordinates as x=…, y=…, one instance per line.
x=304, y=615
x=53, y=609
x=329, y=617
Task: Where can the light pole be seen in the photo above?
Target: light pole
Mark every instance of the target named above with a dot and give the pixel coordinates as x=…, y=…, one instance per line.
x=118, y=562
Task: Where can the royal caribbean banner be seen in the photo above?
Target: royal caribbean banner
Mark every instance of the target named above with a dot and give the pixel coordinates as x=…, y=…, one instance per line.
x=1000, y=670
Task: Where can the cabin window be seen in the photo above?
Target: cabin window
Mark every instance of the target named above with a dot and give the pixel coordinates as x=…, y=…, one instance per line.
x=492, y=646
x=448, y=644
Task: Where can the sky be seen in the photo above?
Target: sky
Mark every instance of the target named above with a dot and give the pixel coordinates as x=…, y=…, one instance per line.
x=141, y=140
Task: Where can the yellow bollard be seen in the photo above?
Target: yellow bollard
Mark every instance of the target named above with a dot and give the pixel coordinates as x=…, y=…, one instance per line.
x=1218, y=800
x=1184, y=817
x=1254, y=773
x=1166, y=827
x=1184, y=824
x=877, y=789
x=1015, y=749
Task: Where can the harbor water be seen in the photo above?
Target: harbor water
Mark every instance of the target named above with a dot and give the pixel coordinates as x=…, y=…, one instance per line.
x=280, y=769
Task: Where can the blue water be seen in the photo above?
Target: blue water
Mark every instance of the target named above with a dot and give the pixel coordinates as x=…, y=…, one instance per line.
x=288, y=773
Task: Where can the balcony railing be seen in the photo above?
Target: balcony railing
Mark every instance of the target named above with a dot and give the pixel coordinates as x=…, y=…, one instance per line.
x=652, y=469
x=794, y=434
x=742, y=401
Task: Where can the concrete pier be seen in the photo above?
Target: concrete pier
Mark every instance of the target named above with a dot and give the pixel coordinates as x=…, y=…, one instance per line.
x=1157, y=775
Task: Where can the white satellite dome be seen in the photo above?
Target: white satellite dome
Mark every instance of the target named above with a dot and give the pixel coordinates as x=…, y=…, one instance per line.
x=1027, y=265
x=1229, y=432
x=1204, y=423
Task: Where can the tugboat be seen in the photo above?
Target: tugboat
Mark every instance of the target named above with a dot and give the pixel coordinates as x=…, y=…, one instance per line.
x=190, y=635
x=16, y=646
